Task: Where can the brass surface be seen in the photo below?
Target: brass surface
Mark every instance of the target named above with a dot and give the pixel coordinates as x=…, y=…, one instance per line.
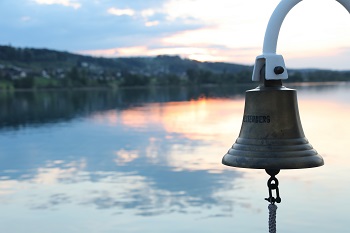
x=271, y=135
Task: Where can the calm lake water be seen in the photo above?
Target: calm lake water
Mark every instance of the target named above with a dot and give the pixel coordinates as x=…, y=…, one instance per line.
x=142, y=160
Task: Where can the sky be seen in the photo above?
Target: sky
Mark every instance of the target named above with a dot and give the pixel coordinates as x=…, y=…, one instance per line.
x=315, y=33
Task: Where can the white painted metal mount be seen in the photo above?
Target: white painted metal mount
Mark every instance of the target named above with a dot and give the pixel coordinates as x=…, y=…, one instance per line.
x=271, y=61
x=269, y=56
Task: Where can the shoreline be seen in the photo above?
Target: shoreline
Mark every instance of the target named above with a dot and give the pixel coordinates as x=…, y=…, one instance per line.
x=301, y=84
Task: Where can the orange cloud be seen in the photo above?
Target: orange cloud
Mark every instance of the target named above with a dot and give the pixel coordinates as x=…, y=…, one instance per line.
x=195, y=52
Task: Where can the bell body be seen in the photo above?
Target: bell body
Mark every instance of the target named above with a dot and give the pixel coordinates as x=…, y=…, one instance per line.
x=271, y=135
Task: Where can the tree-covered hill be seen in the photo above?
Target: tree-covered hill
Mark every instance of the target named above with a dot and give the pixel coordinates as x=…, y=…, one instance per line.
x=44, y=68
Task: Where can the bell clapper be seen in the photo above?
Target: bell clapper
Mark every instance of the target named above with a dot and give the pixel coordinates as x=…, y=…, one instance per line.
x=272, y=184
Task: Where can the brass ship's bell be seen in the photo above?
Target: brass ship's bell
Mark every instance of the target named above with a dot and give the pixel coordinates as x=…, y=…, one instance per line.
x=271, y=135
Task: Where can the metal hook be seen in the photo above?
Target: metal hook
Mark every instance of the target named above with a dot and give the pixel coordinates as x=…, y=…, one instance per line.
x=272, y=184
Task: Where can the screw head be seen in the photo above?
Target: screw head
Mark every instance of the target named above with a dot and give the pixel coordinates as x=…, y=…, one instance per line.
x=278, y=70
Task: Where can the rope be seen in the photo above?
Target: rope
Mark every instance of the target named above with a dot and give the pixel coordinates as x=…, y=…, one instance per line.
x=272, y=218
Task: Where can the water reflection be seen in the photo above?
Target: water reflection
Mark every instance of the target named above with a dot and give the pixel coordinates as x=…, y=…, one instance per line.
x=157, y=154
x=152, y=157
x=37, y=108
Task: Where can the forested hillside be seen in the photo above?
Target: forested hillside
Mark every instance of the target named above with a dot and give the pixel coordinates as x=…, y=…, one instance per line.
x=44, y=68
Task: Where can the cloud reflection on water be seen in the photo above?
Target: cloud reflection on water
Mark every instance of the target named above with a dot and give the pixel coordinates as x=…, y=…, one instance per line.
x=163, y=158
x=174, y=164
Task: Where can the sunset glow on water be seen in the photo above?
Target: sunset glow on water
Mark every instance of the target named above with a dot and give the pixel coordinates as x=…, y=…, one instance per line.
x=155, y=166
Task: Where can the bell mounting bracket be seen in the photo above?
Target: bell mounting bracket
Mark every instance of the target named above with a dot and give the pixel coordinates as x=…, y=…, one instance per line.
x=275, y=67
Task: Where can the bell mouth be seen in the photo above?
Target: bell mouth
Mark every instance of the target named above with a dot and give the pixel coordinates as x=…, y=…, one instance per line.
x=272, y=154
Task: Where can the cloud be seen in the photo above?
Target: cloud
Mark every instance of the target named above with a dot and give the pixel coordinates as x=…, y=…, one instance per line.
x=94, y=26
x=120, y=12
x=148, y=12
x=199, y=29
x=202, y=52
x=151, y=23
x=146, y=15
x=68, y=3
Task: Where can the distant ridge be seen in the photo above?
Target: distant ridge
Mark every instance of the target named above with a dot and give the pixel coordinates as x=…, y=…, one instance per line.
x=47, y=57
x=45, y=68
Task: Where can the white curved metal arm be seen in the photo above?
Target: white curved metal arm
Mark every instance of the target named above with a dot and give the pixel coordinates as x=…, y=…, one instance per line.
x=269, y=56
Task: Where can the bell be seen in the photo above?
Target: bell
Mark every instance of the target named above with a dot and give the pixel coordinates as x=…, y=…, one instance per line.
x=271, y=135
